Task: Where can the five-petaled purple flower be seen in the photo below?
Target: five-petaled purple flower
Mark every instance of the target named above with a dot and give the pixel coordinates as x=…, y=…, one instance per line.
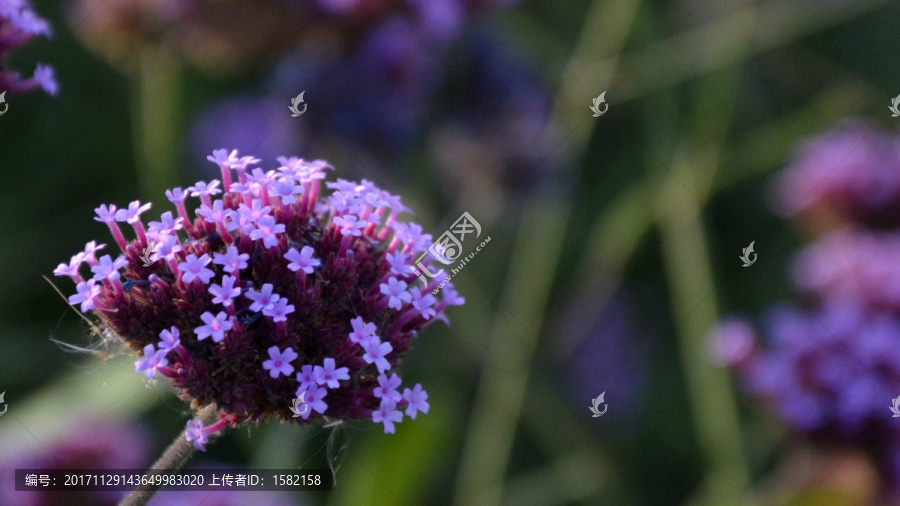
x=417, y=399
x=302, y=260
x=153, y=359
x=326, y=374
x=195, y=433
x=194, y=267
x=216, y=326
x=280, y=362
x=387, y=415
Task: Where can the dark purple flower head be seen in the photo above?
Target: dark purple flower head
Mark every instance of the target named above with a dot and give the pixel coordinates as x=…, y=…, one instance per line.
x=851, y=172
x=19, y=23
x=274, y=300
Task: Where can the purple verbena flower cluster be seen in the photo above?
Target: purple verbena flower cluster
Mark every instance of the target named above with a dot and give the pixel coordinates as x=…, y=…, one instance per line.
x=269, y=292
x=830, y=369
x=19, y=24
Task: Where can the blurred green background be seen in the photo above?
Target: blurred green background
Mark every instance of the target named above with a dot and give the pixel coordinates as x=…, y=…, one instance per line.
x=624, y=232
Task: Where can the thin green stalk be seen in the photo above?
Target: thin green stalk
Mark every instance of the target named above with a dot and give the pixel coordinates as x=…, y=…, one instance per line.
x=511, y=345
x=690, y=277
x=155, y=120
x=514, y=336
x=174, y=458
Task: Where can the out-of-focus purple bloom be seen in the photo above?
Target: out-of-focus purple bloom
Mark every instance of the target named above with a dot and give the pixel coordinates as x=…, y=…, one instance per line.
x=831, y=370
x=195, y=433
x=851, y=172
x=852, y=264
x=250, y=124
x=602, y=351
x=19, y=23
x=88, y=444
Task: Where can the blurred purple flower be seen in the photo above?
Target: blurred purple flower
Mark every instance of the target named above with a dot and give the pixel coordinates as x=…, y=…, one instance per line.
x=852, y=264
x=605, y=355
x=250, y=124
x=830, y=371
x=852, y=171
x=94, y=444
x=19, y=24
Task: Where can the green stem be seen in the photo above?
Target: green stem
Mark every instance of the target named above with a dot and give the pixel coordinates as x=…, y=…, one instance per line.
x=511, y=345
x=174, y=458
x=155, y=120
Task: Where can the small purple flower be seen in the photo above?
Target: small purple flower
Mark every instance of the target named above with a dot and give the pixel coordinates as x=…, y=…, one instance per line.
x=133, y=213
x=423, y=302
x=214, y=214
x=226, y=292
x=195, y=434
x=70, y=269
x=387, y=387
x=153, y=359
x=280, y=362
x=256, y=211
x=279, y=310
x=417, y=400
x=195, y=268
x=396, y=290
x=20, y=23
x=264, y=299
x=375, y=353
x=286, y=191
x=168, y=224
x=231, y=261
x=302, y=260
x=223, y=158
x=166, y=248
x=204, y=189
x=108, y=269
x=387, y=415
x=176, y=196
x=326, y=374
x=361, y=330
x=267, y=230
x=87, y=292
x=105, y=214
x=168, y=339
x=215, y=327
x=307, y=378
x=314, y=398
x=398, y=263
x=90, y=251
